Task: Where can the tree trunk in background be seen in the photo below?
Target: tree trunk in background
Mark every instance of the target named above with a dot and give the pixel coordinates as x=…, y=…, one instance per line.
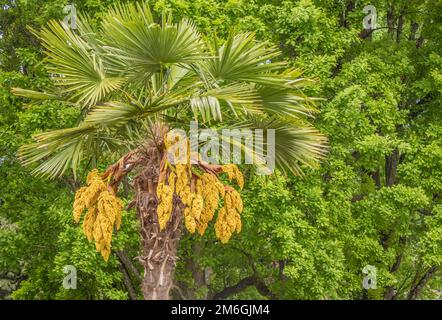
x=391, y=163
x=391, y=21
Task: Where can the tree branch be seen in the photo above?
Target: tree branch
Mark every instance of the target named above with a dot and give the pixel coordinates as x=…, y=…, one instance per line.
x=242, y=285
x=128, y=264
x=367, y=32
x=417, y=288
x=390, y=291
x=126, y=267
x=128, y=283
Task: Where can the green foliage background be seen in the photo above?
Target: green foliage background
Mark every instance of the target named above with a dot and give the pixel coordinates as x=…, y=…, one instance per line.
x=375, y=200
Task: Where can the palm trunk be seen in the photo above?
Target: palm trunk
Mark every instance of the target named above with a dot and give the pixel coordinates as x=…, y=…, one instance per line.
x=159, y=247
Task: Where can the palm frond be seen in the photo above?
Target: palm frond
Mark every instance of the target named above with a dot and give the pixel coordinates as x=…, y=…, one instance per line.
x=207, y=107
x=294, y=146
x=139, y=47
x=237, y=94
x=75, y=66
x=286, y=102
x=112, y=114
x=242, y=58
x=60, y=150
x=34, y=95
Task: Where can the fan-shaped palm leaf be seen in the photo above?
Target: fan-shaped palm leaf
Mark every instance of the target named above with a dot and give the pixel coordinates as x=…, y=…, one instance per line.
x=293, y=145
x=139, y=46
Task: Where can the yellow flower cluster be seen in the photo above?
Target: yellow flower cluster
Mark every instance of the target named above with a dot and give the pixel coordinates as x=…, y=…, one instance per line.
x=201, y=204
x=165, y=196
x=86, y=197
x=187, y=197
x=103, y=212
x=201, y=200
x=234, y=173
x=211, y=189
x=192, y=213
x=183, y=183
x=229, y=219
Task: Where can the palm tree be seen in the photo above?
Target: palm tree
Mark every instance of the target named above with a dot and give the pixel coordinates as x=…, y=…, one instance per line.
x=134, y=78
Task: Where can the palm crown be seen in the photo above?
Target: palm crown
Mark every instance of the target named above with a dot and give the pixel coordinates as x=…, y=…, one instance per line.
x=130, y=72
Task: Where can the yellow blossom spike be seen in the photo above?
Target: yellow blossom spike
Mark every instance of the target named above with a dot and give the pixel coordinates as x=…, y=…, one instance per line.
x=234, y=173
x=79, y=203
x=189, y=221
x=88, y=223
x=104, y=211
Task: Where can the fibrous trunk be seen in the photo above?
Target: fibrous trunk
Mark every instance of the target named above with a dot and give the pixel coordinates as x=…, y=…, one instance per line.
x=159, y=247
x=159, y=253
